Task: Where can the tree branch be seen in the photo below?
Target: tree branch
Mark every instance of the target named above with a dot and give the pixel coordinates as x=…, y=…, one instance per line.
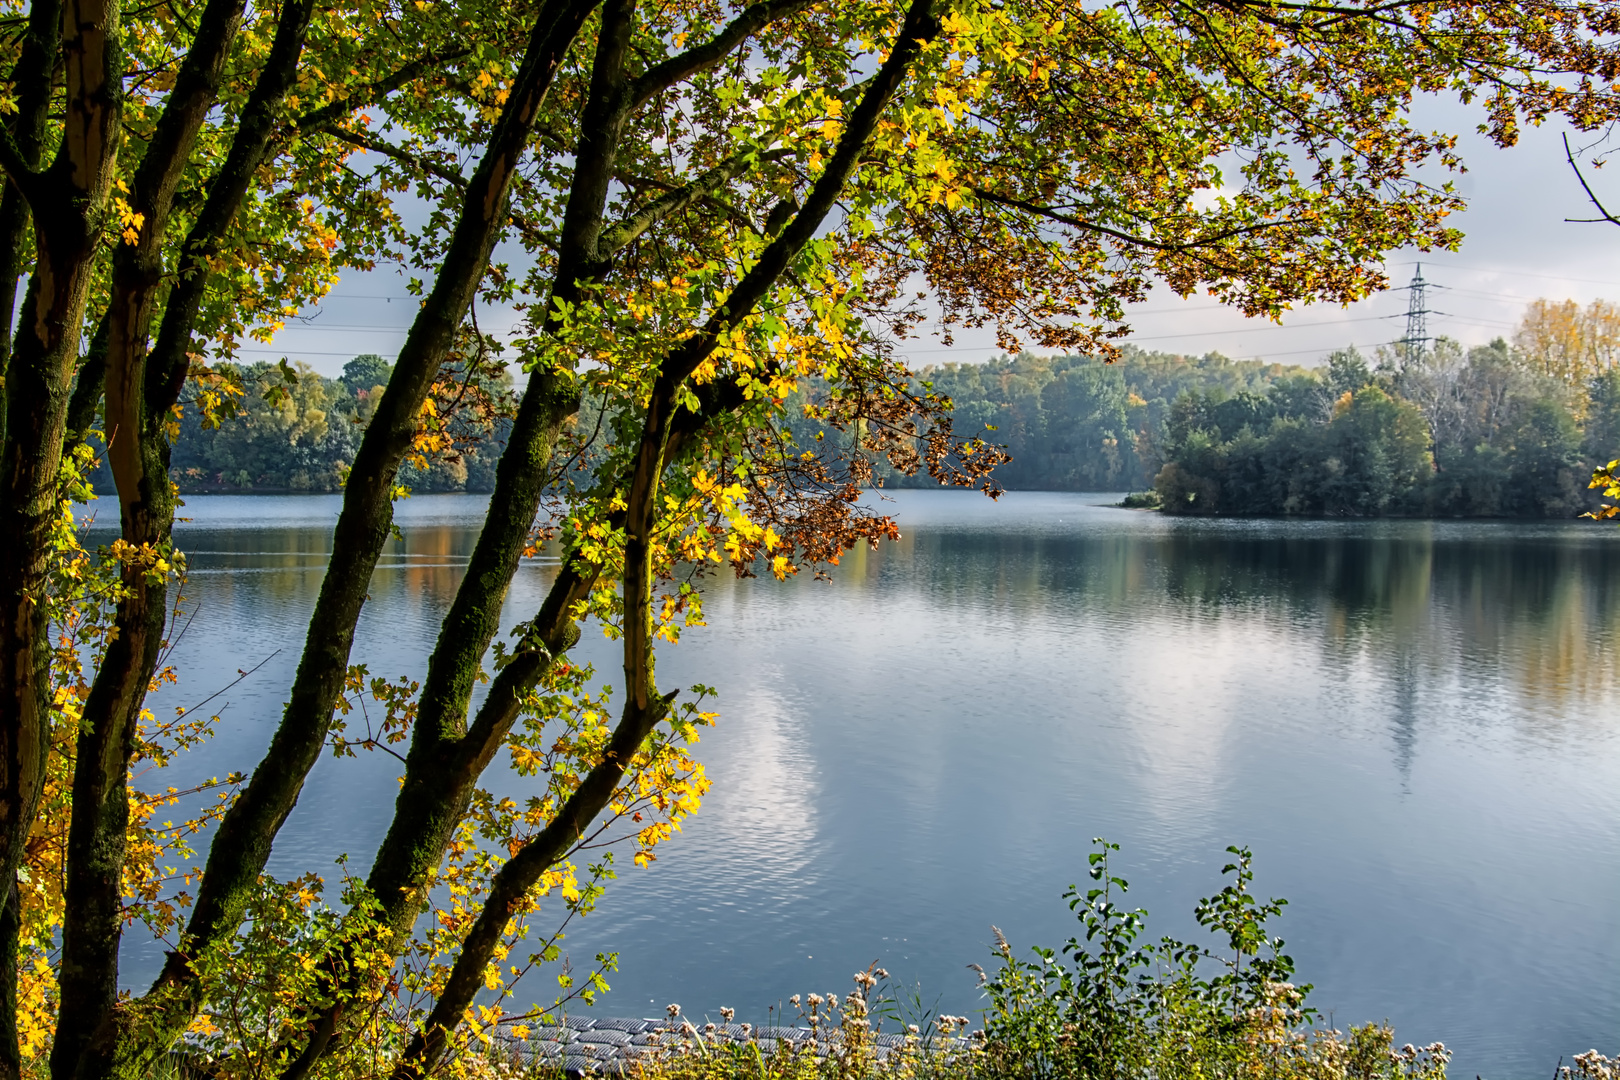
x=644, y=708
x=87, y=390
x=1118, y=234
x=16, y=167
x=673, y=202
x=32, y=76
x=387, y=149
x=363, y=525
x=1590, y=194
x=683, y=66
x=330, y=113
x=525, y=224
x=444, y=761
x=137, y=453
x=171, y=355
x=920, y=26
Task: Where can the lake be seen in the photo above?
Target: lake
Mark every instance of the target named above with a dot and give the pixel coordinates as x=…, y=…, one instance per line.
x=1412, y=724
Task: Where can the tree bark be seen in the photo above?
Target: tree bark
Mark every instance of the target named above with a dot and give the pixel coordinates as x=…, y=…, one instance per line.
x=138, y=451
x=437, y=786
x=33, y=77
x=87, y=387
x=66, y=202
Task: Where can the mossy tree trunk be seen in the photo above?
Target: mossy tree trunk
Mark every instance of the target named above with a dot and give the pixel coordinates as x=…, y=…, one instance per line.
x=66, y=202
x=661, y=432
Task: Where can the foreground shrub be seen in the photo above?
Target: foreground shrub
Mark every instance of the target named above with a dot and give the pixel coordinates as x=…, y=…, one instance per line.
x=1113, y=1005
x=1110, y=1005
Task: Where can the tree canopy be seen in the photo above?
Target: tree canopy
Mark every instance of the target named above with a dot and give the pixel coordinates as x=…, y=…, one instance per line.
x=697, y=206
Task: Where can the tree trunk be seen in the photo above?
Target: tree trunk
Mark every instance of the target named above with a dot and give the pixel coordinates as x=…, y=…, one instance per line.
x=446, y=759
x=33, y=79
x=67, y=202
x=137, y=408
x=32, y=76
x=241, y=846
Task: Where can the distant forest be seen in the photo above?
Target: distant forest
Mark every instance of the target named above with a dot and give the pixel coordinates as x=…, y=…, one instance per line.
x=1502, y=430
x=295, y=430
x=1444, y=432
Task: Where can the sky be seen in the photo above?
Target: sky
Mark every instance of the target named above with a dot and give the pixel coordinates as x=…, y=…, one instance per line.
x=1518, y=247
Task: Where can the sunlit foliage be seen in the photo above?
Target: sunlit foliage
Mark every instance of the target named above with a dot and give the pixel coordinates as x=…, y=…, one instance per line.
x=698, y=211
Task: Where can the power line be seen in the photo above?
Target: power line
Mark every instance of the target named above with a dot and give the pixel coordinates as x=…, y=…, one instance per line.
x=360, y=328
x=1196, y=333
x=1318, y=352
x=1519, y=273
x=1417, y=313
x=1265, y=328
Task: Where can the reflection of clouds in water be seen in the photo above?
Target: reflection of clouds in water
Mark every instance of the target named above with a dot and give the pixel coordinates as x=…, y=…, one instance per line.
x=757, y=827
x=732, y=886
x=1183, y=696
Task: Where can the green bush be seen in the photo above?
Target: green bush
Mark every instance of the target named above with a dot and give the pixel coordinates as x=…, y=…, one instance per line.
x=1110, y=1005
x=1113, y=1005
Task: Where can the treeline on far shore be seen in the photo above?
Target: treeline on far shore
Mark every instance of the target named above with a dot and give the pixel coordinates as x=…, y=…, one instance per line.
x=1445, y=431
x=287, y=428
x=1494, y=431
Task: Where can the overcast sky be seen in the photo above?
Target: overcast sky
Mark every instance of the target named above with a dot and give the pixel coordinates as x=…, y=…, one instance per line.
x=1518, y=247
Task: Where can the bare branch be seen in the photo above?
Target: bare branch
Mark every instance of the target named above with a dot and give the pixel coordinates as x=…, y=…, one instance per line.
x=530, y=229
x=1119, y=234
x=1590, y=194
x=408, y=157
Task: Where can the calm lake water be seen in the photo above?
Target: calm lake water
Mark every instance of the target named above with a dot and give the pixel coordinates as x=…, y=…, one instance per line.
x=1413, y=724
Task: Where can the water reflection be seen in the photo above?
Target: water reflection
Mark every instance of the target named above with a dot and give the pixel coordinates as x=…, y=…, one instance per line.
x=1412, y=723
x=1530, y=610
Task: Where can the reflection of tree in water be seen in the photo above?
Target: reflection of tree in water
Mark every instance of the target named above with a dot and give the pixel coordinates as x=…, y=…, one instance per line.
x=431, y=561
x=1359, y=584
x=1540, y=608
x=1403, y=727
x=424, y=567
x=1547, y=611
x=1533, y=611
